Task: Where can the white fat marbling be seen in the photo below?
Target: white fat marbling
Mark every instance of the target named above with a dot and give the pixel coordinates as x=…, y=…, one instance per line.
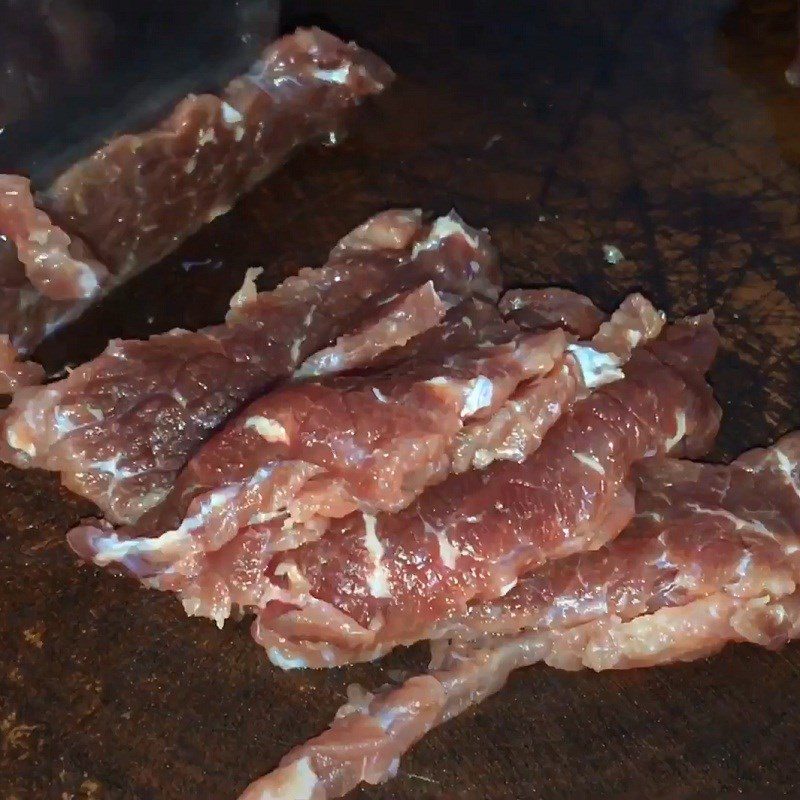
x=339, y=75
x=680, y=430
x=444, y=227
x=297, y=581
x=269, y=429
x=379, y=577
x=284, y=662
x=230, y=114
x=19, y=444
x=591, y=462
x=597, y=368
x=480, y=396
x=111, y=548
x=247, y=291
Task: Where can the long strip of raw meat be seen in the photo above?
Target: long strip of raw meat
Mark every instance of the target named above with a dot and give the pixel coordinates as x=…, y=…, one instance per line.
x=711, y=558
x=376, y=581
x=120, y=427
x=140, y=196
x=312, y=452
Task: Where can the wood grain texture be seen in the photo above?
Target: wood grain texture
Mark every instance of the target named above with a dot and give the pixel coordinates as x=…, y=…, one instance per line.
x=664, y=128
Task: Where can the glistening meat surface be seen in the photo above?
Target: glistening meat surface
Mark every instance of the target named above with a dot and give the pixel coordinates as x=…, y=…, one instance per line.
x=56, y=266
x=376, y=581
x=308, y=453
x=140, y=196
x=15, y=373
x=120, y=427
x=710, y=558
x=137, y=198
x=518, y=428
x=544, y=309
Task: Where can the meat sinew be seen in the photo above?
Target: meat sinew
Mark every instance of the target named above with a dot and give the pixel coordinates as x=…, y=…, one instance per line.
x=711, y=557
x=120, y=427
x=376, y=581
x=140, y=196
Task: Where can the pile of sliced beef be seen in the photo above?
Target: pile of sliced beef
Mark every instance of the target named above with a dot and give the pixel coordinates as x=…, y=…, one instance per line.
x=389, y=449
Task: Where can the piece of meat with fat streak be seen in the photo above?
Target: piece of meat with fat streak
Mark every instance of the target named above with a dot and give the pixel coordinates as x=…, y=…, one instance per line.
x=308, y=453
x=552, y=307
x=517, y=429
x=374, y=582
x=712, y=557
x=303, y=455
x=138, y=197
x=120, y=427
x=15, y=373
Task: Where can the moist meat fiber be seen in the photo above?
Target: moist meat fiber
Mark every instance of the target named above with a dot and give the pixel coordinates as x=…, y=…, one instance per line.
x=14, y=373
x=377, y=581
x=136, y=199
x=709, y=558
x=312, y=452
x=120, y=427
x=306, y=454
x=386, y=449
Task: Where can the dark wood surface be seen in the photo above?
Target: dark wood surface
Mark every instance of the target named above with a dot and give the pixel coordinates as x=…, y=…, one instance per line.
x=664, y=128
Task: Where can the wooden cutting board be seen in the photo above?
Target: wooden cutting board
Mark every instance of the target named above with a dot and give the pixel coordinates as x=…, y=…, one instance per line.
x=662, y=128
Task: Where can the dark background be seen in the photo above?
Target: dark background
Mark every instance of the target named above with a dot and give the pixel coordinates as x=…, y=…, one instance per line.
x=664, y=128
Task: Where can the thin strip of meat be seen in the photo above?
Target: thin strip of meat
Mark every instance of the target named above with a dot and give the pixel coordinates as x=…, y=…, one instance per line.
x=51, y=259
x=304, y=455
x=520, y=425
x=711, y=558
x=14, y=373
x=136, y=199
x=141, y=195
x=471, y=323
x=120, y=427
x=406, y=316
x=374, y=582
x=552, y=307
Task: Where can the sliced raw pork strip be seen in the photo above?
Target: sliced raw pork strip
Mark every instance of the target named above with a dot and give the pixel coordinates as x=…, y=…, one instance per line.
x=405, y=317
x=14, y=373
x=140, y=196
x=303, y=455
x=55, y=265
x=518, y=428
x=120, y=427
x=377, y=581
x=710, y=558
x=544, y=309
